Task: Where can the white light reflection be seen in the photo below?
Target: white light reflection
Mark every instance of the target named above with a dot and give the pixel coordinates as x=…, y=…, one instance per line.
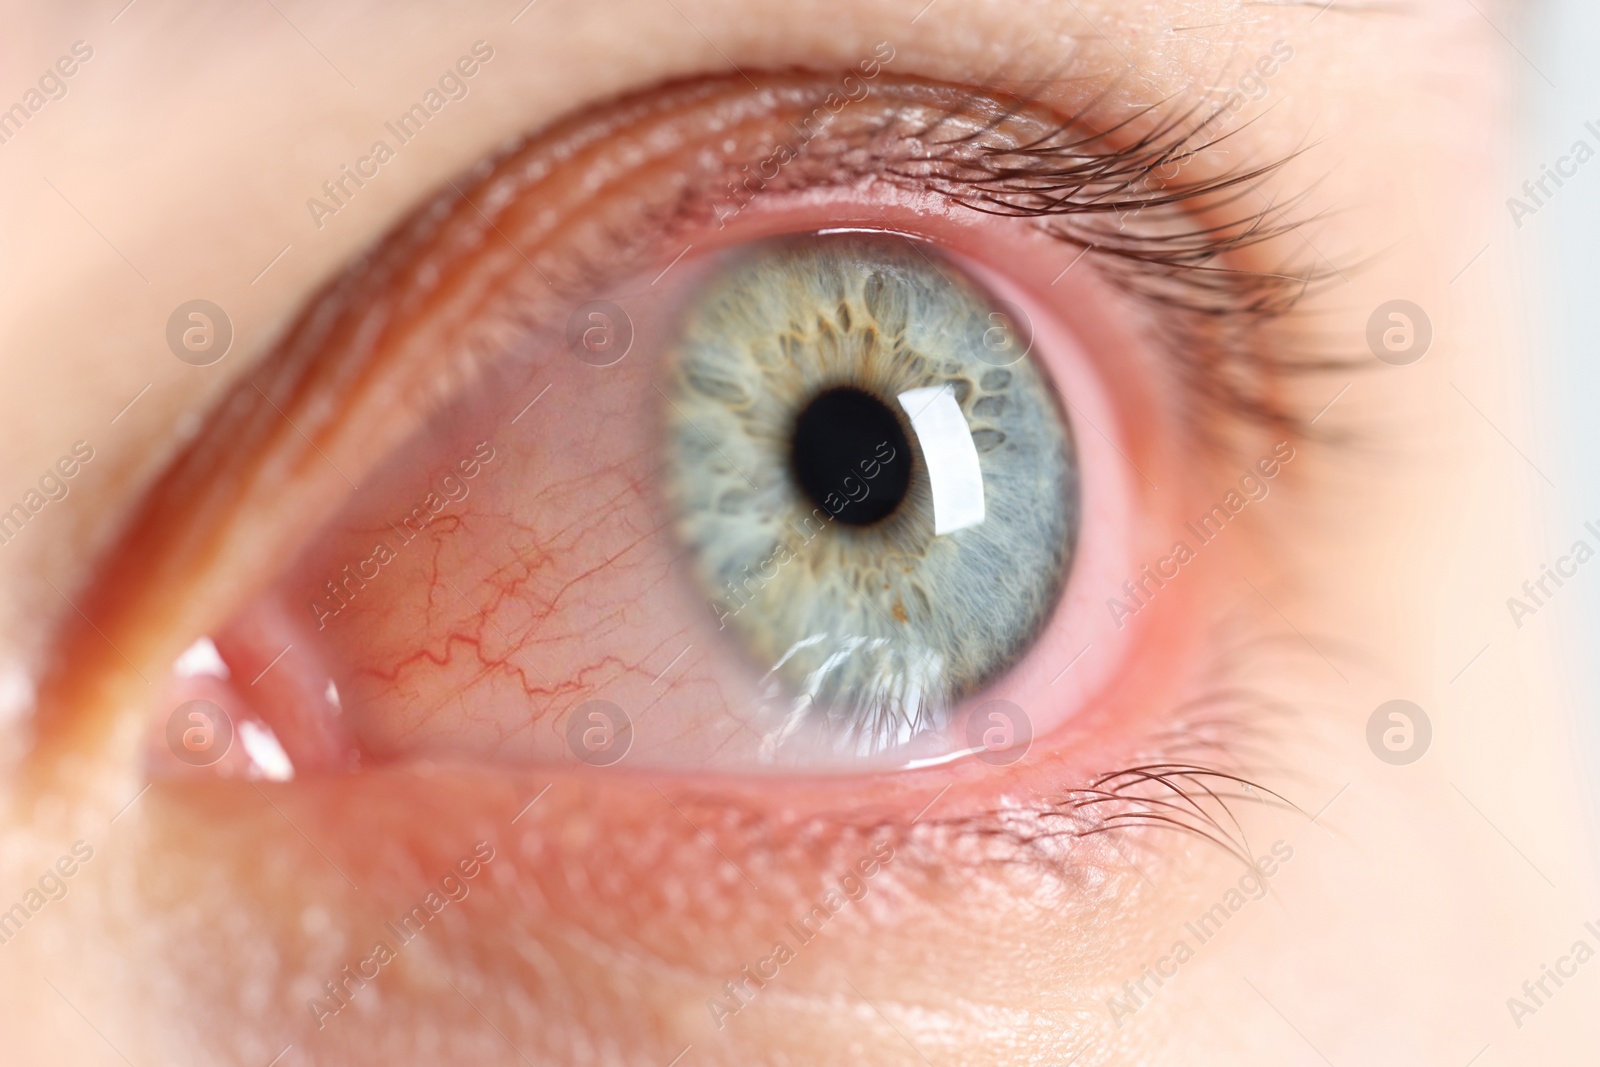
x=201, y=660
x=267, y=757
x=953, y=471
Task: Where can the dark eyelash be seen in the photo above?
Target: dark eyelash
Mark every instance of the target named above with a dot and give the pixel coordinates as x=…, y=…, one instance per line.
x=1136, y=810
x=1189, y=798
x=1007, y=157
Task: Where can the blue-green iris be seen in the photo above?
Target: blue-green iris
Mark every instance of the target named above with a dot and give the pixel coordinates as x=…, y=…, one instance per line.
x=872, y=628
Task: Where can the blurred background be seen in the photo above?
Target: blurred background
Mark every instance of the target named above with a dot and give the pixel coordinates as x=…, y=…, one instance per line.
x=1557, y=253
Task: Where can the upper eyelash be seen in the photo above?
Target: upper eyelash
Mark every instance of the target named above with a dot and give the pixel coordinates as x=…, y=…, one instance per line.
x=1056, y=177
x=1174, y=243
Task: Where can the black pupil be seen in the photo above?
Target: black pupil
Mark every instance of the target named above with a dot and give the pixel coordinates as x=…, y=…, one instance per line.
x=849, y=448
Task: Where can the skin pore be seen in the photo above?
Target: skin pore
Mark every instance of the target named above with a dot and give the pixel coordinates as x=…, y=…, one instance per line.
x=601, y=923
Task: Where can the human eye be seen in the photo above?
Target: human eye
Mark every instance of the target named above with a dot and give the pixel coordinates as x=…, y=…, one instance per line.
x=723, y=430
x=797, y=535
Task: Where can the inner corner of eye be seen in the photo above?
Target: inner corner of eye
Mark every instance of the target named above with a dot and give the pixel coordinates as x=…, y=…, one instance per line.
x=799, y=515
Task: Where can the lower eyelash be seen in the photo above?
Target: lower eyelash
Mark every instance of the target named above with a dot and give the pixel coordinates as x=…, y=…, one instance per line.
x=1197, y=778
x=1189, y=798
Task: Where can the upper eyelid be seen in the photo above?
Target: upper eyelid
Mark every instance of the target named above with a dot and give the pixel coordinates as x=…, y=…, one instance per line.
x=1108, y=178
x=1191, y=256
